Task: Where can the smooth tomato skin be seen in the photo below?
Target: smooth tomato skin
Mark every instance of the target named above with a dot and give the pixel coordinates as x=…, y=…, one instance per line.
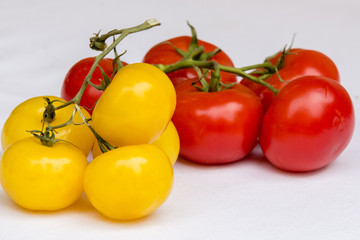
x=164, y=53
x=216, y=127
x=136, y=107
x=28, y=116
x=300, y=62
x=37, y=177
x=308, y=125
x=168, y=142
x=76, y=76
x=129, y=182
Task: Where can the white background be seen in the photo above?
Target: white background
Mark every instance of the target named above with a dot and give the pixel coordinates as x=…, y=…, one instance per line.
x=250, y=199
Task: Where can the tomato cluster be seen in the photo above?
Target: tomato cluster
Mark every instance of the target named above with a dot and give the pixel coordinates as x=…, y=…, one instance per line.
x=133, y=116
x=302, y=123
x=183, y=98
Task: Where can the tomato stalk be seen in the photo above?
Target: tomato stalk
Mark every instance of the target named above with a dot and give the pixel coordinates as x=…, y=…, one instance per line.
x=104, y=146
x=49, y=113
x=189, y=63
x=260, y=80
x=97, y=43
x=196, y=56
x=47, y=138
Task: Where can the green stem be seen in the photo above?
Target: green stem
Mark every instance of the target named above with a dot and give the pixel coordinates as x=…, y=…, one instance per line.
x=76, y=100
x=67, y=123
x=208, y=55
x=97, y=87
x=100, y=140
x=49, y=112
x=241, y=73
x=265, y=76
x=189, y=63
x=124, y=32
x=267, y=65
x=215, y=78
x=98, y=42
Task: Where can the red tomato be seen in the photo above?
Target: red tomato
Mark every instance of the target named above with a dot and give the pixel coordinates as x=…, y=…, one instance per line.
x=300, y=62
x=164, y=53
x=308, y=125
x=216, y=127
x=76, y=76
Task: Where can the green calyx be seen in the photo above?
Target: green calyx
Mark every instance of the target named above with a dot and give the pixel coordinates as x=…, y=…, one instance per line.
x=47, y=138
x=97, y=42
x=212, y=85
x=49, y=113
x=196, y=57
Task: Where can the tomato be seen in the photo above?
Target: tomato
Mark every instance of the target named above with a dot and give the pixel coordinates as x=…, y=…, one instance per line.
x=164, y=53
x=216, y=127
x=300, y=62
x=39, y=177
x=28, y=116
x=168, y=142
x=76, y=76
x=136, y=107
x=308, y=125
x=129, y=182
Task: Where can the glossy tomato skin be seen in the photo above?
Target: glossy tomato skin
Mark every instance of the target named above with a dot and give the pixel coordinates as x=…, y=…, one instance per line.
x=129, y=182
x=216, y=127
x=308, y=125
x=164, y=53
x=168, y=142
x=300, y=62
x=39, y=177
x=28, y=116
x=76, y=76
x=136, y=107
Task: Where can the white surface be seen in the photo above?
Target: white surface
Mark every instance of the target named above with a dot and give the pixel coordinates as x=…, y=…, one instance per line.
x=40, y=40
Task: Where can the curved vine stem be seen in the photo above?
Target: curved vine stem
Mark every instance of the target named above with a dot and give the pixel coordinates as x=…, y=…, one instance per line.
x=188, y=63
x=123, y=33
x=196, y=57
x=97, y=43
x=104, y=146
x=260, y=80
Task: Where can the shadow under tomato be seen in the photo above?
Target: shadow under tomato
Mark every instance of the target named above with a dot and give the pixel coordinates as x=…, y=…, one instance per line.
x=258, y=158
x=128, y=223
x=84, y=205
x=80, y=205
x=255, y=158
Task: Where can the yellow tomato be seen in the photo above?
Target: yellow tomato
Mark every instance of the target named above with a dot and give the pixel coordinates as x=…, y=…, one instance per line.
x=39, y=177
x=168, y=142
x=129, y=182
x=136, y=107
x=28, y=116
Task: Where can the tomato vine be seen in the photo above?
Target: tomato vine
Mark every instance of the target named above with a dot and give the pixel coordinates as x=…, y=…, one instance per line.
x=96, y=43
x=195, y=57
